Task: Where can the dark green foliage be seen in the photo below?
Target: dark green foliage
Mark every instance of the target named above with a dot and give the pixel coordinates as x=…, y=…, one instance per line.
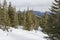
x=0, y=14
x=51, y=23
x=9, y=17
x=44, y=22
x=56, y=19
x=13, y=16
x=20, y=17
x=30, y=21
x=5, y=21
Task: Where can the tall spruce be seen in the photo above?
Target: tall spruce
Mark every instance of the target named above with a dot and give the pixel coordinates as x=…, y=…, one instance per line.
x=54, y=21
x=24, y=20
x=16, y=22
x=28, y=20
x=45, y=22
x=20, y=17
x=13, y=16
x=35, y=22
x=0, y=14
x=5, y=16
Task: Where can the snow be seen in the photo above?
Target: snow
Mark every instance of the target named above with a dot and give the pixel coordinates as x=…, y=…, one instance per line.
x=20, y=34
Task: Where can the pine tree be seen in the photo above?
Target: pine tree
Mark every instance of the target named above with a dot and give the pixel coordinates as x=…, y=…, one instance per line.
x=20, y=17
x=30, y=21
x=27, y=20
x=5, y=17
x=45, y=22
x=13, y=16
x=54, y=21
x=24, y=20
x=0, y=14
x=36, y=22
x=16, y=23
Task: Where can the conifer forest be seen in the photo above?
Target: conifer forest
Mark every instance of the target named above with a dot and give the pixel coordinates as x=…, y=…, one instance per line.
x=49, y=22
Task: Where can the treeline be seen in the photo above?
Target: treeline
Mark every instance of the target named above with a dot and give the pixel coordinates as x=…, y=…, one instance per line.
x=9, y=17
x=50, y=23
x=28, y=20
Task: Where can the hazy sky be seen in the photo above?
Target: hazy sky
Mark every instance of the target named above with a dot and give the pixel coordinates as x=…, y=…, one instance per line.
x=38, y=5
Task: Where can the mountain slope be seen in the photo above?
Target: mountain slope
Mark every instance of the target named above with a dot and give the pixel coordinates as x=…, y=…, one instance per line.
x=19, y=34
x=38, y=13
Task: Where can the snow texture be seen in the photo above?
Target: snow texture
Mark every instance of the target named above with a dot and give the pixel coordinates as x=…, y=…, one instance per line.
x=20, y=34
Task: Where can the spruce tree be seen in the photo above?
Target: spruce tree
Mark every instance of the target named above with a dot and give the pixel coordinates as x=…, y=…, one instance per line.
x=27, y=20
x=13, y=16
x=24, y=20
x=54, y=21
x=16, y=23
x=30, y=20
x=20, y=17
x=5, y=16
x=36, y=22
x=45, y=22
x=0, y=14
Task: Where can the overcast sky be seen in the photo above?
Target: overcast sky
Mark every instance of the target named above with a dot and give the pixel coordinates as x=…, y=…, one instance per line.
x=38, y=5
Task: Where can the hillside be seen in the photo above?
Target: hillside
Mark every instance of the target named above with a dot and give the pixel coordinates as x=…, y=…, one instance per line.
x=20, y=34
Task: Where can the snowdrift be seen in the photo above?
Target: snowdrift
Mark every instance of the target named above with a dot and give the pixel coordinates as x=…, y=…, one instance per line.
x=20, y=34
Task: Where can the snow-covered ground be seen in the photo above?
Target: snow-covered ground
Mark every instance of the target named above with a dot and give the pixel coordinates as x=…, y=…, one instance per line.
x=20, y=34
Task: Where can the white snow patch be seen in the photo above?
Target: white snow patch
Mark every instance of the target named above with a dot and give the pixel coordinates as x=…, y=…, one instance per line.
x=20, y=34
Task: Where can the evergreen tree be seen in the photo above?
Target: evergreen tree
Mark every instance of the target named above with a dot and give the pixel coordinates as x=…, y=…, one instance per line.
x=16, y=23
x=5, y=17
x=24, y=20
x=30, y=20
x=54, y=21
x=27, y=20
x=0, y=14
x=20, y=17
x=35, y=22
x=13, y=16
x=45, y=22
x=56, y=9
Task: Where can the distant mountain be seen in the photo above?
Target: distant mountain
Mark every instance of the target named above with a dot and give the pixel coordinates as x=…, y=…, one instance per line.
x=38, y=13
